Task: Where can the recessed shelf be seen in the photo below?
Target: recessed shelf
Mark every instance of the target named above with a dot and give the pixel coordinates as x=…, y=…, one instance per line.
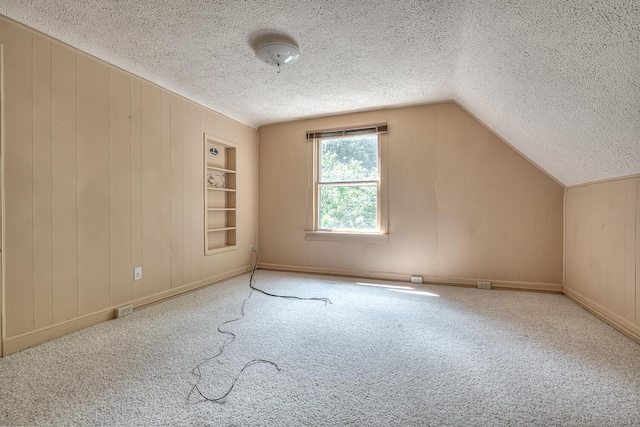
x=215, y=168
x=221, y=189
x=220, y=179
x=220, y=229
x=221, y=248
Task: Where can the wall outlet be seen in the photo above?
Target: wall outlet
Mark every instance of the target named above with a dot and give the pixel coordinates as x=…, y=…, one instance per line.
x=484, y=285
x=416, y=279
x=137, y=273
x=124, y=311
x=252, y=249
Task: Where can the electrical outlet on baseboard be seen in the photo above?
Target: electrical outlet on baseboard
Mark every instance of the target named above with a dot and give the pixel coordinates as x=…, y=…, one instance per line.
x=416, y=279
x=484, y=285
x=124, y=311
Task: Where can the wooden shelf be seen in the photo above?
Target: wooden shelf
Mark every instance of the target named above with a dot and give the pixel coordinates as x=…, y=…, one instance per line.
x=221, y=189
x=221, y=209
x=222, y=248
x=220, y=229
x=215, y=168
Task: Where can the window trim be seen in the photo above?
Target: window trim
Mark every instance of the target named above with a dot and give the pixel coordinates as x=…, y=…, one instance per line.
x=314, y=233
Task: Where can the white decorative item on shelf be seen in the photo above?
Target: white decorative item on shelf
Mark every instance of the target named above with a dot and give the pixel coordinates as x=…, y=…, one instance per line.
x=217, y=179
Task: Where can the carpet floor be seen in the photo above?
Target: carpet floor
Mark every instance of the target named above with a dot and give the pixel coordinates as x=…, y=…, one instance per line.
x=392, y=355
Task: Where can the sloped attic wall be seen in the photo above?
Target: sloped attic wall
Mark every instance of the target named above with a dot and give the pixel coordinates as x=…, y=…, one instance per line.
x=463, y=205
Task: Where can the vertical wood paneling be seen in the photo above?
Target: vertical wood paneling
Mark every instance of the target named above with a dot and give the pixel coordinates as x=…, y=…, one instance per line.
x=103, y=173
x=297, y=170
x=578, y=277
x=207, y=122
x=598, y=239
x=506, y=261
x=401, y=192
x=42, y=249
x=614, y=246
x=602, y=245
x=571, y=232
x=19, y=239
x=136, y=186
x=271, y=223
x=186, y=142
x=166, y=191
x=588, y=240
x=94, y=291
x=554, y=261
x=629, y=272
x=250, y=217
x=637, y=272
x=120, y=187
x=177, y=194
x=64, y=183
x=456, y=228
x=269, y=176
x=197, y=197
x=220, y=124
x=485, y=146
x=2, y=107
x=424, y=179
x=151, y=189
x=533, y=230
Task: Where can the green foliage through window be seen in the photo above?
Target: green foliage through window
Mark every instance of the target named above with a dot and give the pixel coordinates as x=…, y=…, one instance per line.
x=348, y=188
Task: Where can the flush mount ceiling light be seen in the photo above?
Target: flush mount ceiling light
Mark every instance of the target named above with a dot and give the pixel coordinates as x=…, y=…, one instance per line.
x=278, y=54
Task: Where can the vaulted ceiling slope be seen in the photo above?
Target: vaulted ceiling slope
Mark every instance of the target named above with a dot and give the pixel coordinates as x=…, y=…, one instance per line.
x=559, y=80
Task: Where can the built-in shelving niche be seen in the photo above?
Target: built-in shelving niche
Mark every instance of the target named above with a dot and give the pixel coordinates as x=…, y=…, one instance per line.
x=220, y=195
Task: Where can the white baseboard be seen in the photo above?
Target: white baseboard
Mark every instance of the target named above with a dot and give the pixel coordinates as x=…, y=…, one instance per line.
x=439, y=280
x=47, y=333
x=624, y=326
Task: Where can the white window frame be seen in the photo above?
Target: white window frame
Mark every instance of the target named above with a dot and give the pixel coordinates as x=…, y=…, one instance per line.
x=380, y=236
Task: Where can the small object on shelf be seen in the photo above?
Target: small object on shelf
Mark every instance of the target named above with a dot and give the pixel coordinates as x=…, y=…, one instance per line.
x=217, y=179
x=213, y=151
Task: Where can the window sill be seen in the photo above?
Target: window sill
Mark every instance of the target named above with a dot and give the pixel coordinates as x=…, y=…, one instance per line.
x=332, y=236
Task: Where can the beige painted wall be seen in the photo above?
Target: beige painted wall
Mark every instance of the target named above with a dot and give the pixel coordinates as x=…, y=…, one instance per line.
x=603, y=250
x=463, y=205
x=103, y=172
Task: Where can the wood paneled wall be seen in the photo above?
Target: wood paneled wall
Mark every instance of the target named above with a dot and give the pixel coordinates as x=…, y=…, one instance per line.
x=463, y=205
x=603, y=250
x=103, y=172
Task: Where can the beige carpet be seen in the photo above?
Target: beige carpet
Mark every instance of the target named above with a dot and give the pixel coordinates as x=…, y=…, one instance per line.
x=433, y=355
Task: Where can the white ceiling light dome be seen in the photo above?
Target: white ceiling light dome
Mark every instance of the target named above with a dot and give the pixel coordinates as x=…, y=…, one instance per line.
x=278, y=54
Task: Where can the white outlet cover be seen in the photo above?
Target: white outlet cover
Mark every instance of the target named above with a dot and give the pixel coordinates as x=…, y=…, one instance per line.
x=137, y=273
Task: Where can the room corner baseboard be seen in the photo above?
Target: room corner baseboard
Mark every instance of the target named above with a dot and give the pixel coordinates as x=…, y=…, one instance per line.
x=29, y=339
x=623, y=326
x=335, y=272
x=435, y=280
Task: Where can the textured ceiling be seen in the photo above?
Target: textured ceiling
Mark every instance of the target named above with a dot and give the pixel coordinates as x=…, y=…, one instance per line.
x=559, y=80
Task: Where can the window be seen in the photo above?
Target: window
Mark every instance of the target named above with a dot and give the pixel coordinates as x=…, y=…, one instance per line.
x=348, y=181
x=349, y=194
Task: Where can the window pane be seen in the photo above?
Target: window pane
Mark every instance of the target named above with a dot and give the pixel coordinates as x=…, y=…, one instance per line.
x=349, y=159
x=350, y=207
